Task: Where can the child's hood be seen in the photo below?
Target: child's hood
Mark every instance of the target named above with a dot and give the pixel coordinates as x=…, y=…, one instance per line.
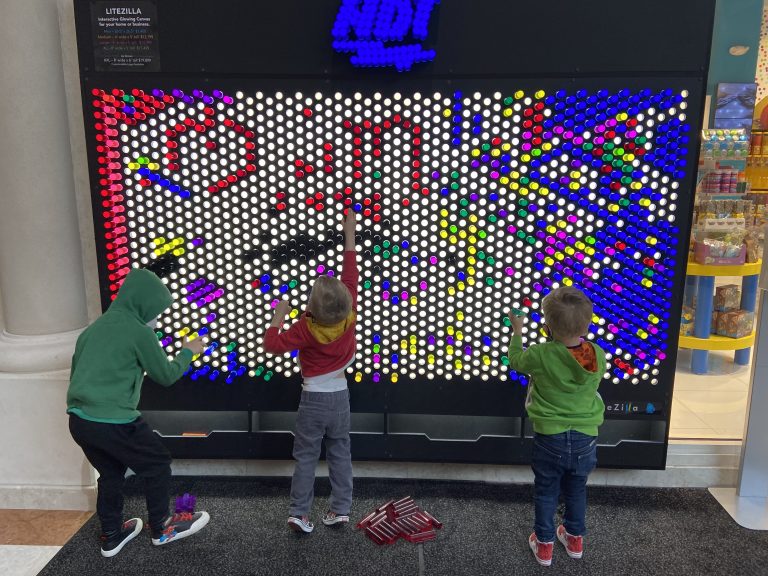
x=568, y=373
x=143, y=295
x=576, y=372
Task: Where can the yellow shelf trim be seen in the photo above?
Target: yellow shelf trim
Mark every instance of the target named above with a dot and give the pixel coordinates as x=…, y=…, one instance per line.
x=716, y=342
x=748, y=269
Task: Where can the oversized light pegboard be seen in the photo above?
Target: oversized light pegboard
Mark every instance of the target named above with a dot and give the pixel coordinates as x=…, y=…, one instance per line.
x=485, y=171
x=469, y=204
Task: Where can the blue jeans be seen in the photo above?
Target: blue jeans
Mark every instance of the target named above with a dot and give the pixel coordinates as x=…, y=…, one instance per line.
x=561, y=464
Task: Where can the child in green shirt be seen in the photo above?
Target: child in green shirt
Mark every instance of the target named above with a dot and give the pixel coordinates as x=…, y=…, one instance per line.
x=566, y=410
x=108, y=366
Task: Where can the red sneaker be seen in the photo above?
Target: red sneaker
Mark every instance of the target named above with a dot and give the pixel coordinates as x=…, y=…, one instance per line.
x=574, y=545
x=541, y=550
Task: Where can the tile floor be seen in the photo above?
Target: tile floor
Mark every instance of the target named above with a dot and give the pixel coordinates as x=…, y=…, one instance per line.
x=710, y=406
x=30, y=538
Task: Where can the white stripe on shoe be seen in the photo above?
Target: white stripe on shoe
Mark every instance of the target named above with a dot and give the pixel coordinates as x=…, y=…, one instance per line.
x=331, y=518
x=136, y=529
x=300, y=524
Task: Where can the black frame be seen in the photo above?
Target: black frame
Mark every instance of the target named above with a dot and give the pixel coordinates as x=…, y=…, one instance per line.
x=468, y=59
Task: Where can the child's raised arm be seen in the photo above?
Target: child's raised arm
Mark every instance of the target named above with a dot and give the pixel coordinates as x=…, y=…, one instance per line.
x=350, y=227
x=349, y=273
x=520, y=360
x=155, y=363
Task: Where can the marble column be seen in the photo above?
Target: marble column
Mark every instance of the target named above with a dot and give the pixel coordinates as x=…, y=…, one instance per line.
x=42, y=292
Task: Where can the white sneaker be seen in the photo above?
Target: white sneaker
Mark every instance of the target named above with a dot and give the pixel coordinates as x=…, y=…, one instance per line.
x=331, y=518
x=300, y=524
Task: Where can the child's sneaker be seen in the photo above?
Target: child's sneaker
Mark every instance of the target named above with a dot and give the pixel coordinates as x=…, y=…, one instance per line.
x=180, y=526
x=541, y=550
x=111, y=544
x=574, y=545
x=300, y=524
x=332, y=519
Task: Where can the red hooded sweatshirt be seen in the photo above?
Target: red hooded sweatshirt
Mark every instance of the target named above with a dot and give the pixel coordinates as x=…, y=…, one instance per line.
x=322, y=349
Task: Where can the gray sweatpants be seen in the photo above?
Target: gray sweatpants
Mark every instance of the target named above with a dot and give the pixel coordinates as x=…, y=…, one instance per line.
x=322, y=414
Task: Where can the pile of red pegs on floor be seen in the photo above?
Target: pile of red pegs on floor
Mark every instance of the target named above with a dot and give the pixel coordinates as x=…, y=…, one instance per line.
x=399, y=519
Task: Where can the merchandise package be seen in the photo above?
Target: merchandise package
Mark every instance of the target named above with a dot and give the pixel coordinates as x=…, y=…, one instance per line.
x=727, y=298
x=719, y=252
x=686, y=321
x=736, y=324
x=754, y=243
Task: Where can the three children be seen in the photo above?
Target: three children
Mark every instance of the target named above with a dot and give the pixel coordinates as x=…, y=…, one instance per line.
x=112, y=355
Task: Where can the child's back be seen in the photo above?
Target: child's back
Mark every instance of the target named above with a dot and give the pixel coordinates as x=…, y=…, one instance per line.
x=325, y=339
x=112, y=354
x=566, y=410
x=108, y=368
x=564, y=392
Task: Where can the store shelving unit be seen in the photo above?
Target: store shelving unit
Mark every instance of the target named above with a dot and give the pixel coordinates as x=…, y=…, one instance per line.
x=700, y=282
x=757, y=189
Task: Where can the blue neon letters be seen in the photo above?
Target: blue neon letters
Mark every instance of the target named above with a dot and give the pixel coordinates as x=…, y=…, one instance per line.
x=375, y=32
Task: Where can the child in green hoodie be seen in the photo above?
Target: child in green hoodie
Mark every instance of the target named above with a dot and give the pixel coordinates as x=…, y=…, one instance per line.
x=111, y=357
x=566, y=410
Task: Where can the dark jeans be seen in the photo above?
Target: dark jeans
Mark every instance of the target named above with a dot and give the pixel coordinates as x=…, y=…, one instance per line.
x=112, y=449
x=561, y=464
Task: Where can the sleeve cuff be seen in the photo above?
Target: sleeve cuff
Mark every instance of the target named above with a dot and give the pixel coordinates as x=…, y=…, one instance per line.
x=187, y=353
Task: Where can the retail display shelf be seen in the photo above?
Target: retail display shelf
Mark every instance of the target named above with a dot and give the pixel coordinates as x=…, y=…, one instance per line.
x=716, y=342
x=701, y=280
x=747, y=269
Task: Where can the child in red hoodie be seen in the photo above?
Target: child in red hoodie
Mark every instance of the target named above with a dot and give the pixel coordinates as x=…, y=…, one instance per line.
x=325, y=339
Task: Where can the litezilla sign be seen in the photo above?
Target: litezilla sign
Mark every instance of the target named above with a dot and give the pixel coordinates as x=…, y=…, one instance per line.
x=125, y=36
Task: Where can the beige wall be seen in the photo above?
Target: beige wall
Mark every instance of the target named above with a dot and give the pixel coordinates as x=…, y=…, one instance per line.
x=41, y=271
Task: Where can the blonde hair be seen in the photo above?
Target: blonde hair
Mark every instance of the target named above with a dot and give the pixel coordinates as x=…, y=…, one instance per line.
x=567, y=312
x=329, y=302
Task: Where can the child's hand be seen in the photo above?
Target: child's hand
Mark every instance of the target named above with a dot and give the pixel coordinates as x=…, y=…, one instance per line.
x=517, y=320
x=349, y=225
x=281, y=310
x=196, y=346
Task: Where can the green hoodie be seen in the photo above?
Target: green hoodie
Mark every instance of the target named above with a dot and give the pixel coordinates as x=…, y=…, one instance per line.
x=562, y=394
x=113, y=353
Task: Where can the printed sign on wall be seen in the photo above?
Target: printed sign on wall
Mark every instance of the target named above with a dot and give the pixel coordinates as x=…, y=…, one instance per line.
x=125, y=36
